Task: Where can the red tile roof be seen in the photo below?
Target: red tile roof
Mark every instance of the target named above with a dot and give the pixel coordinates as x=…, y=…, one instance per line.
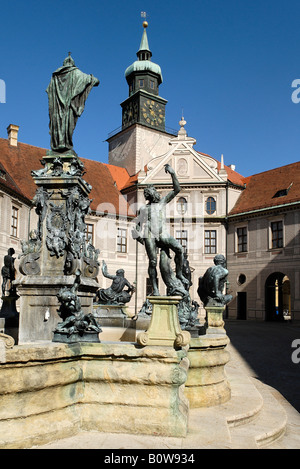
x=7, y=183
x=106, y=195
x=232, y=175
x=107, y=181
x=20, y=160
x=131, y=181
x=261, y=189
x=119, y=175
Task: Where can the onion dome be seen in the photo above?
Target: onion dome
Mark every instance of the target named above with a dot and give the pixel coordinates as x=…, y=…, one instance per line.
x=144, y=64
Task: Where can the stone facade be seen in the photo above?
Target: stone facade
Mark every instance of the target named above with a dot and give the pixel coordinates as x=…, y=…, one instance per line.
x=197, y=216
x=14, y=211
x=254, y=272
x=135, y=146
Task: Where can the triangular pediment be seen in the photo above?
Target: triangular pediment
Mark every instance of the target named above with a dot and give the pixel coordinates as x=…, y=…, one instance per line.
x=189, y=165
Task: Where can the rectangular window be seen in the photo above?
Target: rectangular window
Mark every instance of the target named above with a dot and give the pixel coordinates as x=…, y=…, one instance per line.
x=14, y=222
x=122, y=240
x=152, y=84
x=277, y=234
x=241, y=239
x=210, y=242
x=89, y=234
x=141, y=83
x=182, y=237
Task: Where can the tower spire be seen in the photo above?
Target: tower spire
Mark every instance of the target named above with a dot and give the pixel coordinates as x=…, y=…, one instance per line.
x=144, y=105
x=144, y=52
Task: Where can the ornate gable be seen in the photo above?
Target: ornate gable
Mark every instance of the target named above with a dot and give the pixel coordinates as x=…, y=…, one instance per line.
x=190, y=165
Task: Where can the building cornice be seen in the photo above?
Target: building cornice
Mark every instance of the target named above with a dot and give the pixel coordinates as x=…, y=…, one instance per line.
x=260, y=211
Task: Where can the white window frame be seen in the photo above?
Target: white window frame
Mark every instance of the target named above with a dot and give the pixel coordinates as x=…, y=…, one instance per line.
x=212, y=196
x=216, y=244
x=271, y=221
x=180, y=238
x=14, y=221
x=120, y=236
x=236, y=248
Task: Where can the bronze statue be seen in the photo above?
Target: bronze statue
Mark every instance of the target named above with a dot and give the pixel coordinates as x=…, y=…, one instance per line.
x=40, y=202
x=8, y=271
x=151, y=231
x=74, y=320
x=211, y=285
x=187, y=271
x=116, y=293
x=67, y=92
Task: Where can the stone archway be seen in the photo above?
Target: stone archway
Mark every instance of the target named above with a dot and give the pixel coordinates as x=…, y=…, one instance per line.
x=277, y=296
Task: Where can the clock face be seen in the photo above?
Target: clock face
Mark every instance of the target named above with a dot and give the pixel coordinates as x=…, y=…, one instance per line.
x=152, y=113
x=130, y=113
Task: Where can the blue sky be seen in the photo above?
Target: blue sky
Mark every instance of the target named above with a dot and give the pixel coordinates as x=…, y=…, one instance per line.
x=229, y=64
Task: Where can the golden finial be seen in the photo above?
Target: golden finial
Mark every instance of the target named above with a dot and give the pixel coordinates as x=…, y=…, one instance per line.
x=144, y=15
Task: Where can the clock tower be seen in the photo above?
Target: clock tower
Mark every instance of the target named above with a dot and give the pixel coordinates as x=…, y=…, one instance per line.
x=143, y=134
x=144, y=105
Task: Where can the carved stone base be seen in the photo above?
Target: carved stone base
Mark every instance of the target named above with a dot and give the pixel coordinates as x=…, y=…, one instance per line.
x=214, y=319
x=164, y=328
x=107, y=313
x=74, y=338
x=116, y=325
x=8, y=341
x=39, y=304
x=207, y=384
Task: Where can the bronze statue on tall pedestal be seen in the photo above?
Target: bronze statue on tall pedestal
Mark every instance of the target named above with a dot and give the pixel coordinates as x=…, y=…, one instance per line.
x=151, y=231
x=67, y=92
x=58, y=248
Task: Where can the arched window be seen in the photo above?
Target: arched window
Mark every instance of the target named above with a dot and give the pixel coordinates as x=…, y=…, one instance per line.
x=181, y=205
x=210, y=205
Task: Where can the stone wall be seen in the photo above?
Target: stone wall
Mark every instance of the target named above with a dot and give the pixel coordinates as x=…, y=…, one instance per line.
x=52, y=391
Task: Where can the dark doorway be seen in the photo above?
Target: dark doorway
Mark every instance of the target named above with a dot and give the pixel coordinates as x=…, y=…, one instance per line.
x=277, y=296
x=242, y=305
